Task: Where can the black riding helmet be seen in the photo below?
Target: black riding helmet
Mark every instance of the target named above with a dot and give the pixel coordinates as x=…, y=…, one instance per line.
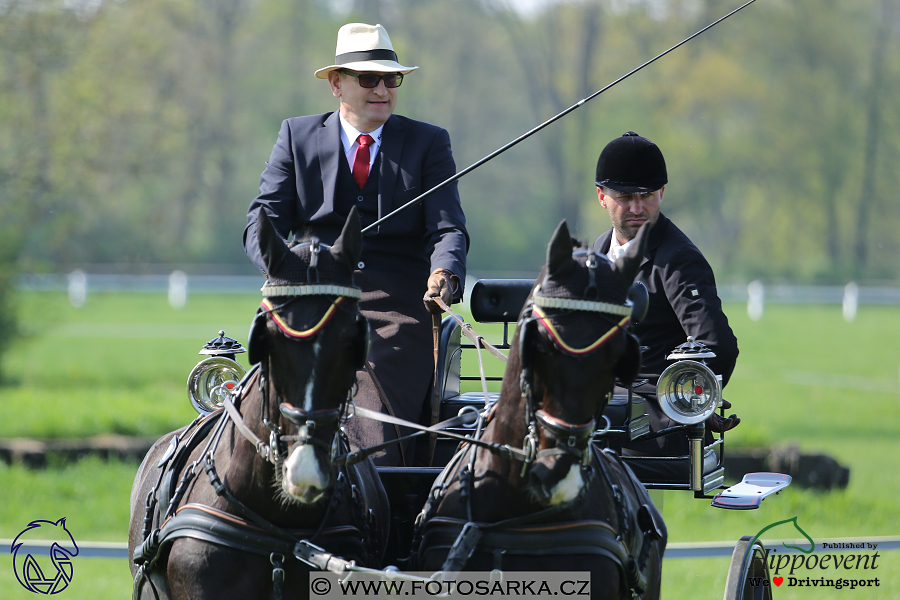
x=631, y=164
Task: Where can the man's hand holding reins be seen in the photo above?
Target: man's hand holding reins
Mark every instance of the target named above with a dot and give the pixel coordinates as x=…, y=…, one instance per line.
x=441, y=283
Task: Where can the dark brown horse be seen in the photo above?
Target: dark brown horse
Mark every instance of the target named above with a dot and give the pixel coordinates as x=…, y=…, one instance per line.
x=536, y=494
x=218, y=507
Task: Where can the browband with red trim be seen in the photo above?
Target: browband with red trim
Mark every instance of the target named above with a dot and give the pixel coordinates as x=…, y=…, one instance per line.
x=290, y=332
x=557, y=339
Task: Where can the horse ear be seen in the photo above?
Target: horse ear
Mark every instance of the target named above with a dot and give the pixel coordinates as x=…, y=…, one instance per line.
x=559, y=252
x=347, y=248
x=271, y=245
x=629, y=263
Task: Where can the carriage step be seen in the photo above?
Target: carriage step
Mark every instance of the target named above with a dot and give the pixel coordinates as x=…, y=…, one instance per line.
x=749, y=493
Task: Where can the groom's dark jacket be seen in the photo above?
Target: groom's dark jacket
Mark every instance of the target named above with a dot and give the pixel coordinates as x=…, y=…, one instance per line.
x=683, y=302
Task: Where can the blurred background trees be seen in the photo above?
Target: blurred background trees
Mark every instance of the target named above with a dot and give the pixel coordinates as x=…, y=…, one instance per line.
x=133, y=132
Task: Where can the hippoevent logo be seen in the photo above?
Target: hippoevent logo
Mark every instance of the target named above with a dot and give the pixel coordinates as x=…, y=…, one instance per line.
x=44, y=574
x=847, y=569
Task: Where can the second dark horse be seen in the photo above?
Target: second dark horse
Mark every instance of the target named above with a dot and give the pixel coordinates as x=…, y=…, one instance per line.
x=536, y=494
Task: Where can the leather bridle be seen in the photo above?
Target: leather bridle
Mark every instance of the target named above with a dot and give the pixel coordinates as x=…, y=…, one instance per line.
x=567, y=438
x=311, y=423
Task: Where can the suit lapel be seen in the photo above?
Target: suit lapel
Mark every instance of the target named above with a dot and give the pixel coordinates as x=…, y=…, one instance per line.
x=330, y=152
x=656, y=237
x=391, y=150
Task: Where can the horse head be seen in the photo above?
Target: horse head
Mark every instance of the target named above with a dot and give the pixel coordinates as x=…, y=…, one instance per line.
x=56, y=530
x=309, y=338
x=570, y=346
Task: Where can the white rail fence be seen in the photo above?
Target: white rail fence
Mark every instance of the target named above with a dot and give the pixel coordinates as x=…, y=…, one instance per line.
x=673, y=549
x=179, y=285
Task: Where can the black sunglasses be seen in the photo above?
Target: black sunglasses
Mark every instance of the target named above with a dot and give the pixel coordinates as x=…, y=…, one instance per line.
x=371, y=80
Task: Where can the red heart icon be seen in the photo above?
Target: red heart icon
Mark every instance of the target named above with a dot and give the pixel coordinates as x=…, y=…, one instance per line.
x=777, y=580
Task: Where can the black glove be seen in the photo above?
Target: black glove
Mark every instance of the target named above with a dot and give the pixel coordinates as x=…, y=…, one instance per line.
x=718, y=424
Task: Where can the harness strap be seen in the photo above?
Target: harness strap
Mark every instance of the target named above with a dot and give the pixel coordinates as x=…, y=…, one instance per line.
x=580, y=538
x=238, y=419
x=435, y=386
x=647, y=529
x=208, y=524
x=167, y=483
x=470, y=333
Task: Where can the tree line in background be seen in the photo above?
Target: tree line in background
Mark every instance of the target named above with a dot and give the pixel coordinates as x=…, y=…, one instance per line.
x=133, y=132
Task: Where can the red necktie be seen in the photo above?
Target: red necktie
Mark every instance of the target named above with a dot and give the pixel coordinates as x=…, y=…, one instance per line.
x=361, y=160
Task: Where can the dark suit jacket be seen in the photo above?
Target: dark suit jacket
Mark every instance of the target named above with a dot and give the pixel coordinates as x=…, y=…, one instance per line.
x=297, y=190
x=683, y=302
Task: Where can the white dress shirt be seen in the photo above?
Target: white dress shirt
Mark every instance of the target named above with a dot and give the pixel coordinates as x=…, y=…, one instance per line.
x=349, y=135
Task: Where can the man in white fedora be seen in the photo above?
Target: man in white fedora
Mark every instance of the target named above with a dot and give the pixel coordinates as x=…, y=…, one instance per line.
x=364, y=155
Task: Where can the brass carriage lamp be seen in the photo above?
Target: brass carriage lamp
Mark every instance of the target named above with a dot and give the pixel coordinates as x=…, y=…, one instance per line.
x=215, y=377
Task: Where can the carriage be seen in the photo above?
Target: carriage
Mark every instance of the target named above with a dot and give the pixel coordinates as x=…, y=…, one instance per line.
x=688, y=391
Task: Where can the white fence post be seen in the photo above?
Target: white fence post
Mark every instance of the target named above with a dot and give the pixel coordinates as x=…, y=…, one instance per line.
x=77, y=288
x=178, y=293
x=851, y=301
x=756, y=299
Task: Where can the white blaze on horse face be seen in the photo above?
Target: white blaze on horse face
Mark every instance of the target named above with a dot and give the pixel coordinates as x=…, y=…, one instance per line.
x=568, y=488
x=302, y=478
x=309, y=391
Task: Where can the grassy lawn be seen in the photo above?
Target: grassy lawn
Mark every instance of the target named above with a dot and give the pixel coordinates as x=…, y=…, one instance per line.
x=120, y=364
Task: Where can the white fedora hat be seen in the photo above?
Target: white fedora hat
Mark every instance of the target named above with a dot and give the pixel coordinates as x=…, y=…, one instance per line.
x=362, y=47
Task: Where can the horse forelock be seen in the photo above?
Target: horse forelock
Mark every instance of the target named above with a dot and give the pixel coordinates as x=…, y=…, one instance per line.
x=295, y=269
x=574, y=281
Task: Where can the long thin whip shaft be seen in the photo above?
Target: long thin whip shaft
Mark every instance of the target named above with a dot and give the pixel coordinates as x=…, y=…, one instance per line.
x=553, y=119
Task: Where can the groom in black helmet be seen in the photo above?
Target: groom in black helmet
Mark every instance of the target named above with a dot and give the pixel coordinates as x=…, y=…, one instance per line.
x=631, y=179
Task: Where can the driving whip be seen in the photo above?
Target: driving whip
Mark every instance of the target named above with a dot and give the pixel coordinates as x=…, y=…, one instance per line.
x=528, y=134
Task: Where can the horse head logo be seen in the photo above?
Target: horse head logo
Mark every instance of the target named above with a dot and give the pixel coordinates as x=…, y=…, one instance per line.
x=812, y=544
x=39, y=576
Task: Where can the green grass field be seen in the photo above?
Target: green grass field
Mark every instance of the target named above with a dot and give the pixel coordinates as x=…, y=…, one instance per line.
x=119, y=364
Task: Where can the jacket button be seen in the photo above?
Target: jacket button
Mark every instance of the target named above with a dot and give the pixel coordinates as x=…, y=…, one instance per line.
x=359, y=198
x=361, y=265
